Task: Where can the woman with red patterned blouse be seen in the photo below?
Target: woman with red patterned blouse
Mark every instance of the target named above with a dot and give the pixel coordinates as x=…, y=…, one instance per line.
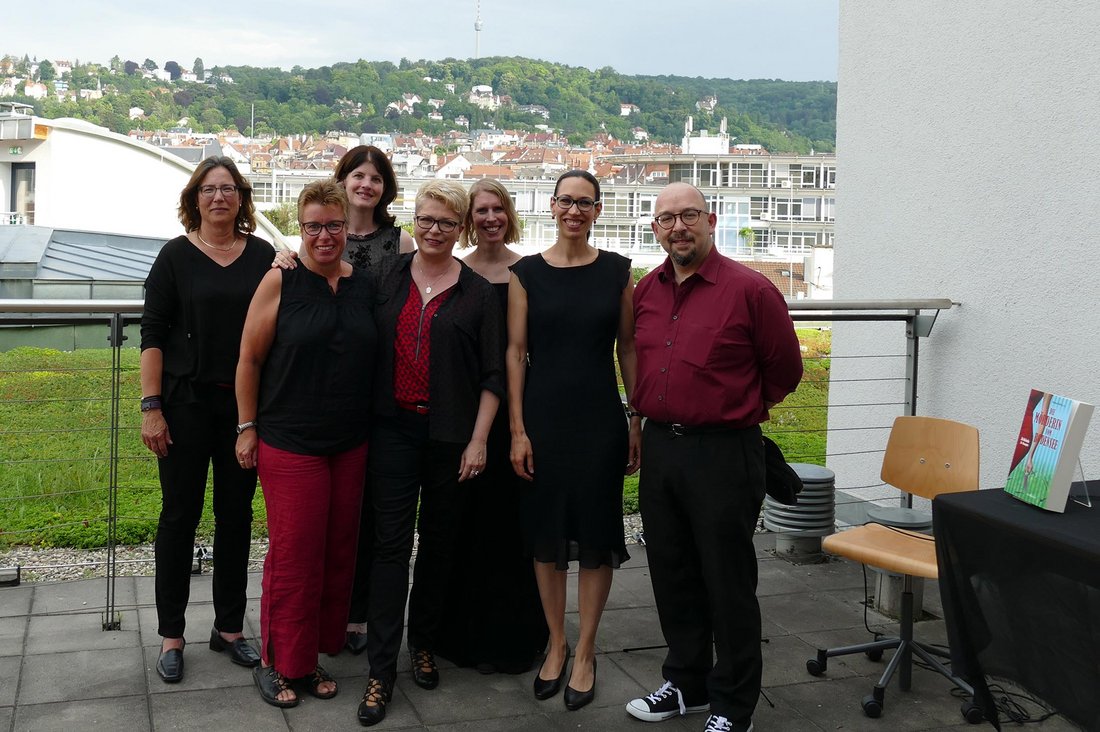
x=437, y=390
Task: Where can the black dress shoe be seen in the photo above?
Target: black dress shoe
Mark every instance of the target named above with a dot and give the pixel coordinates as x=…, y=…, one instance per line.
x=170, y=665
x=240, y=652
x=546, y=688
x=356, y=642
x=574, y=699
x=425, y=672
x=372, y=709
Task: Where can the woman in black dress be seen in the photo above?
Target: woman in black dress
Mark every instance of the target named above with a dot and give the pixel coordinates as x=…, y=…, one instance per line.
x=569, y=310
x=196, y=298
x=495, y=620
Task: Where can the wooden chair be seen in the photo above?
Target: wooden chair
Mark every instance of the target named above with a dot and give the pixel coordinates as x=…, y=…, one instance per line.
x=925, y=457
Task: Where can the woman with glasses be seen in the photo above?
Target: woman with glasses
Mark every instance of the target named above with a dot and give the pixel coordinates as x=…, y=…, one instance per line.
x=303, y=395
x=373, y=237
x=437, y=389
x=196, y=297
x=495, y=620
x=569, y=312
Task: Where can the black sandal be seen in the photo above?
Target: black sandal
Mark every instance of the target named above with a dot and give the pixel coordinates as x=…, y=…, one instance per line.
x=271, y=683
x=372, y=709
x=318, y=677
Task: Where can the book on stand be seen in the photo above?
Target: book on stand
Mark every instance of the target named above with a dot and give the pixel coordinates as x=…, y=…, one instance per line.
x=1047, y=450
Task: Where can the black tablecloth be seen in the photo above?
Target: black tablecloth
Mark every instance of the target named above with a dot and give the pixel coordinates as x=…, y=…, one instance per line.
x=1021, y=598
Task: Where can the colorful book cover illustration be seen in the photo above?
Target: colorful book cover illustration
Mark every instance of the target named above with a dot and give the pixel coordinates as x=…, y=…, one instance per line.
x=1046, y=450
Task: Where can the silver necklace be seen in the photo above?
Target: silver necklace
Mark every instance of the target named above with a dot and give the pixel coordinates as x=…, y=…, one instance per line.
x=428, y=287
x=220, y=249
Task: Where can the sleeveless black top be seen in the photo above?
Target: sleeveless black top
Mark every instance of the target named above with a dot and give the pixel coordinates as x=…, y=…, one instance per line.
x=316, y=383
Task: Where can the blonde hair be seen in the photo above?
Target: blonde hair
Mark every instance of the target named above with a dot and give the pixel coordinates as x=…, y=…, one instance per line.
x=489, y=185
x=450, y=194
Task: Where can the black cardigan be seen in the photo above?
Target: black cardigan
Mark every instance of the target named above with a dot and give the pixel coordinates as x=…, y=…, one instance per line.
x=467, y=353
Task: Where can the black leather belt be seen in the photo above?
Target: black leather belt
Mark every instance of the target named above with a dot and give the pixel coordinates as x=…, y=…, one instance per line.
x=681, y=430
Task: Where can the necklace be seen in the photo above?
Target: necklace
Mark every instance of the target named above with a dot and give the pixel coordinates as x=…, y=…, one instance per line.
x=220, y=249
x=428, y=287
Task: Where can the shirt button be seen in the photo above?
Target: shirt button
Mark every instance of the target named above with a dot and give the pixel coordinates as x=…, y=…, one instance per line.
x=663, y=369
x=660, y=397
x=668, y=343
x=675, y=317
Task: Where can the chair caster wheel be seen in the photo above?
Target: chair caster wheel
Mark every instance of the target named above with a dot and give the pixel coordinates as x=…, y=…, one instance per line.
x=875, y=654
x=815, y=667
x=872, y=707
x=972, y=713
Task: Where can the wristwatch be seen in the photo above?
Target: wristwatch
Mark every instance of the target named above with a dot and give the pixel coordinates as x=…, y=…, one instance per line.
x=245, y=426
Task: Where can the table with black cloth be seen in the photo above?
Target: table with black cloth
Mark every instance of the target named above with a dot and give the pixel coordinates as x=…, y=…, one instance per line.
x=1021, y=598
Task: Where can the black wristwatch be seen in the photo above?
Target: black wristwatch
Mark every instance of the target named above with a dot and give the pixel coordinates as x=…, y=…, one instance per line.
x=245, y=426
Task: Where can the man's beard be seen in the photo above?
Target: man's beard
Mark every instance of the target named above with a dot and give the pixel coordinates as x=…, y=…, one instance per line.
x=683, y=260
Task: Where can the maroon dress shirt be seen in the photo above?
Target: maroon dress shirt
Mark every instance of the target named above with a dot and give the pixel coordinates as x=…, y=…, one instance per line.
x=714, y=349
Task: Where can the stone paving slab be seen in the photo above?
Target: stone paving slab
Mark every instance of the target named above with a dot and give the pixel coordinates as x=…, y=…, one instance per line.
x=75, y=676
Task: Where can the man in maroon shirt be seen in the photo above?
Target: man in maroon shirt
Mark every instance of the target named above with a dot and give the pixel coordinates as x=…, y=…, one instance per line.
x=716, y=349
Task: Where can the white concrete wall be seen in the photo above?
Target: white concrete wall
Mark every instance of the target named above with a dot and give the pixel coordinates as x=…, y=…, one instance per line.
x=967, y=137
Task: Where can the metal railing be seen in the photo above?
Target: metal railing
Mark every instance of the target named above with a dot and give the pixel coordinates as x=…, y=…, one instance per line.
x=106, y=424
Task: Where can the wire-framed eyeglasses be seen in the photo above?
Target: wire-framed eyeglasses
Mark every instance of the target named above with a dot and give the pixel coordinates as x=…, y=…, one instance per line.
x=566, y=202
x=689, y=216
x=209, y=191
x=313, y=228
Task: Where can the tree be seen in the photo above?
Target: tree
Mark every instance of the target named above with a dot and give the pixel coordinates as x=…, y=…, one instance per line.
x=198, y=68
x=150, y=65
x=131, y=67
x=46, y=71
x=173, y=69
x=284, y=217
x=115, y=63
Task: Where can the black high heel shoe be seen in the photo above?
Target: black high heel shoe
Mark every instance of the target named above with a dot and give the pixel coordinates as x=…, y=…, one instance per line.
x=574, y=699
x=546, y=688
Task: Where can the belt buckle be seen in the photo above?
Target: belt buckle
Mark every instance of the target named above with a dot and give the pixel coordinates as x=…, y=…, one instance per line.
x=676, y=429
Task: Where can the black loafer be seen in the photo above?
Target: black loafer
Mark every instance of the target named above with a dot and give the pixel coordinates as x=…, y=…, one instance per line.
x=170, y=666
x=425, y=672
x=356, y=642
x=372, y=709
x=574, y=699
x=240, y=652
x=546, y=688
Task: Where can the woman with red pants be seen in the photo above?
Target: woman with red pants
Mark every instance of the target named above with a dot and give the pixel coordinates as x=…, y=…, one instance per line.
x=303, y=395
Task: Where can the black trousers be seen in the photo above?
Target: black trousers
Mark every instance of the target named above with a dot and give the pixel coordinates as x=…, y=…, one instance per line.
x=700, y=497
x=203, y=435
x=364, y=557
x=404, y=465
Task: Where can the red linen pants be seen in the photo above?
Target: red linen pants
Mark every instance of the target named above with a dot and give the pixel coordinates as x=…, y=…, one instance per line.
x=313, y=525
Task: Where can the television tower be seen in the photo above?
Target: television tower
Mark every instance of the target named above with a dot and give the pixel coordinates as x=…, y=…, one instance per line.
x=477, y=31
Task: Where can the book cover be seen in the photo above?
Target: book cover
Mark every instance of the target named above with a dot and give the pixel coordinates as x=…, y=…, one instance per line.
x=1046, y=451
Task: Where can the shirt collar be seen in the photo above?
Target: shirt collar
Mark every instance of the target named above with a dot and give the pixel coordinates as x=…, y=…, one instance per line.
x=708, y=270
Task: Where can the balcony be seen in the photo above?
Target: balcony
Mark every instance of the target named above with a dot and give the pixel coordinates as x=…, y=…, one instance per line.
x=86, y=649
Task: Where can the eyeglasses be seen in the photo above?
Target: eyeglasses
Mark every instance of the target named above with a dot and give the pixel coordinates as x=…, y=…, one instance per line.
x=566, y=202
x=313, y=228
x=209, y=191
x=689, y=216
x=427, y=222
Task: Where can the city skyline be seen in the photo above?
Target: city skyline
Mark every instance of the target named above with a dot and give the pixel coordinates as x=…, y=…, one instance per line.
x=794, y=40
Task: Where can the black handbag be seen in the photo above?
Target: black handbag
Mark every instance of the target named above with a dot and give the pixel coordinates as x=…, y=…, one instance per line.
x=781, y=482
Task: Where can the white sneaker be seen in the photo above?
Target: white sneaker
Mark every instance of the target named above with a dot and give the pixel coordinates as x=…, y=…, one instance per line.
x=665, y=703
x=718, y=723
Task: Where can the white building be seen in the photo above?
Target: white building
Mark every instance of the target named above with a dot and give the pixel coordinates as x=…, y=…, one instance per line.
x=67, y=174
x=964, y=138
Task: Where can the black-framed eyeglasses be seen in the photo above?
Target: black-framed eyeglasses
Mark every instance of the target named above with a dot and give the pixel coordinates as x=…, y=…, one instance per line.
x=566, y=202
x=209, y=191
x=689, y=216
x=313, y=228
x=427, y=222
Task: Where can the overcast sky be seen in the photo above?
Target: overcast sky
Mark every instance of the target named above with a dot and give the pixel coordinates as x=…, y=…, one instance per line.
x=739, y=39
